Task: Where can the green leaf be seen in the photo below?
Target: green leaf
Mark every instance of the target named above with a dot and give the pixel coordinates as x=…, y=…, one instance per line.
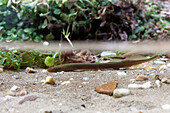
x=27, y=30
x=49, y=61
x=2, y=60
x=57, y=11
x=44, y=25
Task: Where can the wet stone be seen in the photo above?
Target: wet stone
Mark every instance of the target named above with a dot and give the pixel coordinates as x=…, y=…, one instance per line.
x=107, y=88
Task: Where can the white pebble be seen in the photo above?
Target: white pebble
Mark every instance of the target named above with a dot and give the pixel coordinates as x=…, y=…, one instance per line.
x=147, y=85
x=163, y=67
x=71, y=79
x=85, y=78
x=65, y=83
x=14, y=88
x=168, y=65
x=45, y=43
x=121, y=73
x=166, y=106
x=117, y=93
x=108, y=53
x=44, y=71
x=159, y=62
x=136, y=86
x=132, y=80
x=158, y=83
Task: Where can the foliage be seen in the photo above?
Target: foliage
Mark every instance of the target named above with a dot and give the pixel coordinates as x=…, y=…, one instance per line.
x=104, y=19
x=15, y=59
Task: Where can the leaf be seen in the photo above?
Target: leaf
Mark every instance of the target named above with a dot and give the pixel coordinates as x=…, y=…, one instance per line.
x=2, y=60
x=27, y=30
x=57, y=11
x=49, y=61
x=44, y=25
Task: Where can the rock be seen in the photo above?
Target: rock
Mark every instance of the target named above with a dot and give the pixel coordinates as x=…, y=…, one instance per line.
x=107, y=88
x=147, y=85
x=168, y=65
x=163, y=67
x=49, y=80
x=85, y=78
x=149, y=68
x=141, y=78
x=1, y=70
x=45, y=43
x=159, y=62
x=166, y=106
x=117, y=93
x=137, y=86
x=108, y=53
x=30, y=70
x=121, y=73
x=65, y=82
x=141, y=86
x=158, y=83
x=14, y=88
x=165, y=80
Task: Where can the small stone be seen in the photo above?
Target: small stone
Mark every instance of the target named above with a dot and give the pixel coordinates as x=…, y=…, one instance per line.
x=49, y=80
x=117, y=93
x=168, y=55
x=166, y=106
x=149, y=68
x=30, y=70
x=45, y=43
x=65, y=83
x=86, y=78
x=108, y=53
x=132, y=80
x=163, y=67
x=136, y=86
x=158, y=83
x=14, y=88
x=168, y=65
x=165, y=80
x=147, y=85
x=159, y=62
x=1, y=70
x=44, y=71
x=141, y=78
x=121, y=73
x=107, y=88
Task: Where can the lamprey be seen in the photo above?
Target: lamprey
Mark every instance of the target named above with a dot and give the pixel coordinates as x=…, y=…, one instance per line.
x=95, y=66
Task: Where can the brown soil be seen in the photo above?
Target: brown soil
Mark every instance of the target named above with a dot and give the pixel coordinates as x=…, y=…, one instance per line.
x=68, y=98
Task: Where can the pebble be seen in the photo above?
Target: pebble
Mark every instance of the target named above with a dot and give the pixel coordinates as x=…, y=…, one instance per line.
x=30, y=70
x=45, y=43
x=158, y=83
x=86, y=78
x=163, y=67
x=44, y=71
x=117, y=93
x=166, y=106
x=141, y=78
x=121, y=73
x=1, y=70
x=49, y=80
x=159, y=62
x=132, y=80
x=149, y=68
x=147, y=85
x=106, y=88
x=165, y=80
x=65, y=83
x=108, y=53
x=11, y=93
x=141, y=86
x=14, y=88
x=168, y=65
